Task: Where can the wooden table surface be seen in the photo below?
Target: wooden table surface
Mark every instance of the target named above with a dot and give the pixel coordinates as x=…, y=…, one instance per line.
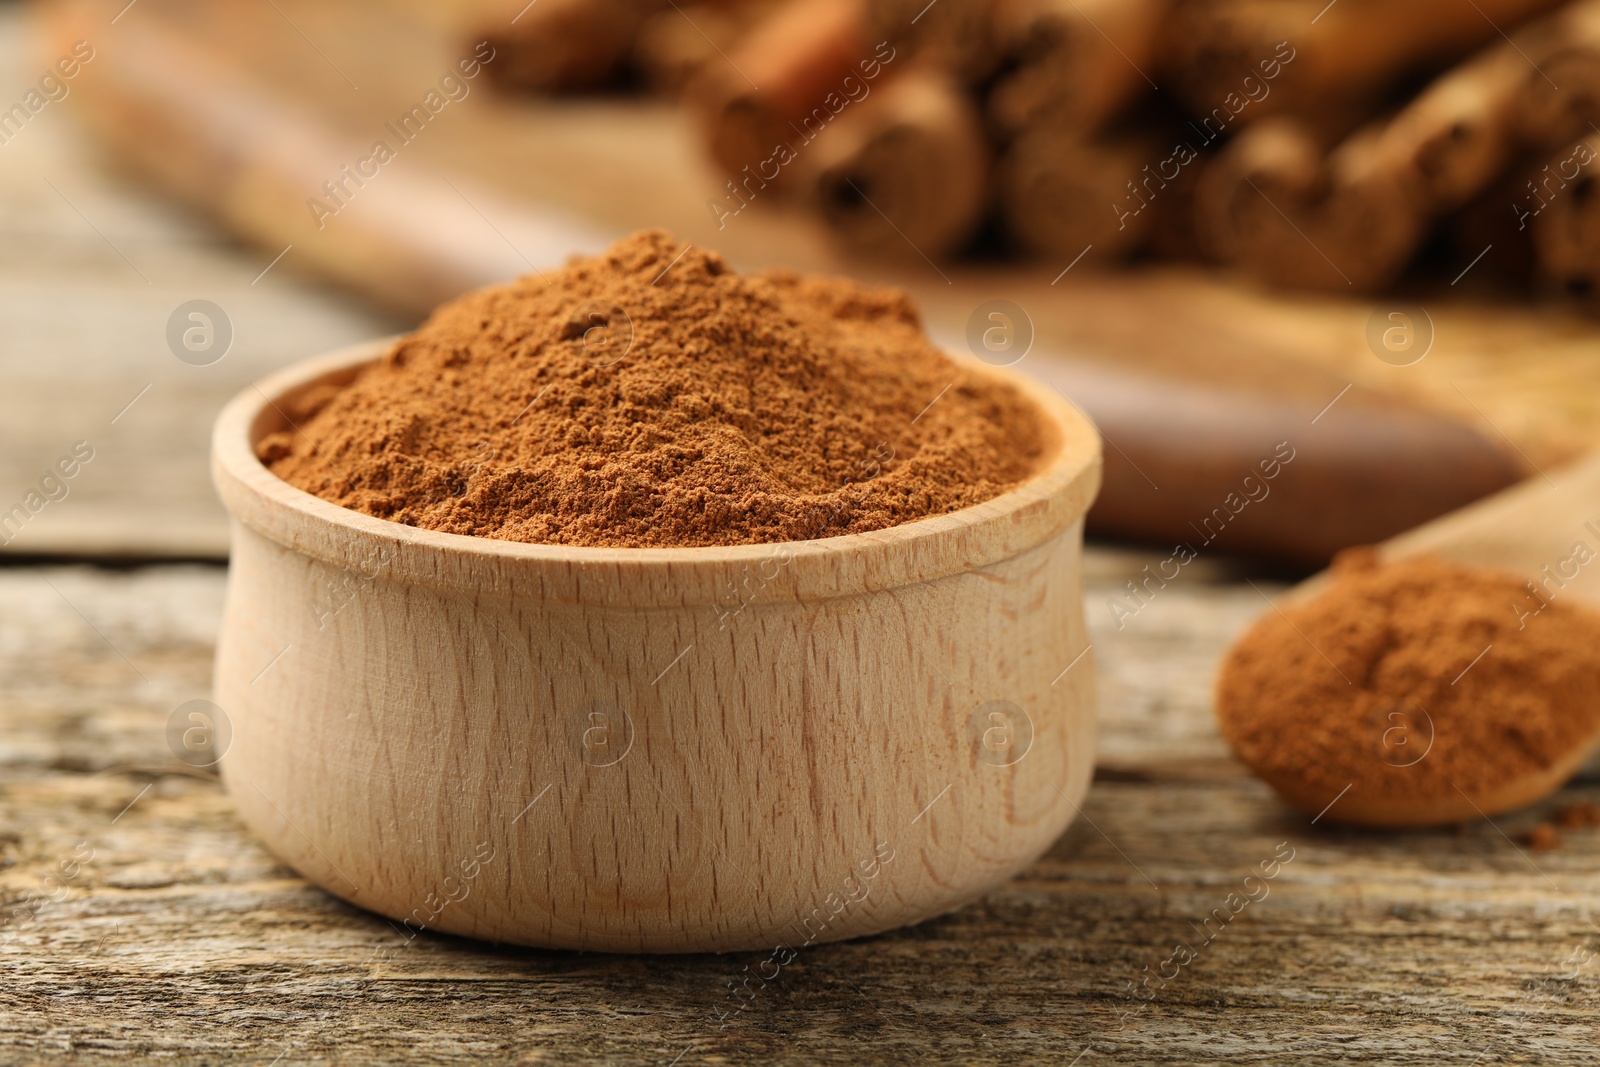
x=140, y=922
x=177, y=938
x=91, y=269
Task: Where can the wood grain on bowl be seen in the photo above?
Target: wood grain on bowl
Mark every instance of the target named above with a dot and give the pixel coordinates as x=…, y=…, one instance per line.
x=655, y=749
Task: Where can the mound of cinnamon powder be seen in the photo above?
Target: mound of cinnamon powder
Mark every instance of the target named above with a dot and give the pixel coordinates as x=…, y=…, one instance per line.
x=652, y=397
x=1412, y=683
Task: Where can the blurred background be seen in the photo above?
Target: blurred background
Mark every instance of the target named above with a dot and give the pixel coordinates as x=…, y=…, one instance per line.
x=1367, y=231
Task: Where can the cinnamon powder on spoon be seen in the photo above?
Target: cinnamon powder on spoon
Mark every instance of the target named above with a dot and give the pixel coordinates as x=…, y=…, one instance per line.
x=1410, y=684
x=651, y=396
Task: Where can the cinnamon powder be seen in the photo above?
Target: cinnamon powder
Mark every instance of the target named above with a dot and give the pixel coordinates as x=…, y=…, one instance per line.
x=1409, y=681
x=651, y=396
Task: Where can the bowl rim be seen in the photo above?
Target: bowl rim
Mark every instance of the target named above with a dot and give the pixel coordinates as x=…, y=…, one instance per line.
x=1055, y=497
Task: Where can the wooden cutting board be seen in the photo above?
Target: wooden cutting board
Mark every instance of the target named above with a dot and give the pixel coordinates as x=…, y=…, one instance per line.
x=246, y=110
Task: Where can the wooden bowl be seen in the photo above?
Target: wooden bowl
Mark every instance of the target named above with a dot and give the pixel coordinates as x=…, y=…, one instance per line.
x=663, y=750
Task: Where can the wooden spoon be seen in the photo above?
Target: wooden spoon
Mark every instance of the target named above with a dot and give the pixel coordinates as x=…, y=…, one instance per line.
x=1529, y=529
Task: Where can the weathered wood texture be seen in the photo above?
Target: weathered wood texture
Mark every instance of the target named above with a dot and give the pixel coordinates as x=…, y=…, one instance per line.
x=181, y=940
x=91, y=268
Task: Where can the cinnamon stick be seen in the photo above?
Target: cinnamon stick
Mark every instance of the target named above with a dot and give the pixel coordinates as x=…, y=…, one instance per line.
x=674, y=46
x=905, y=172
x=794, y=71
x=961, y=38
x=1460, y=133
x=1278, y=206
x=1561, y=95
x=1061, y=194
x=566, y=46
x=1283, y=56
x=1562, y=204
x=1076, y=62
x=1274, y=204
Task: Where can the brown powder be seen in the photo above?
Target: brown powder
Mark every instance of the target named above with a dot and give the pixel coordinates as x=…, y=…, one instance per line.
x=1382, y=683
x=652, y=397
x=1542, y=838
x=1579, y=816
